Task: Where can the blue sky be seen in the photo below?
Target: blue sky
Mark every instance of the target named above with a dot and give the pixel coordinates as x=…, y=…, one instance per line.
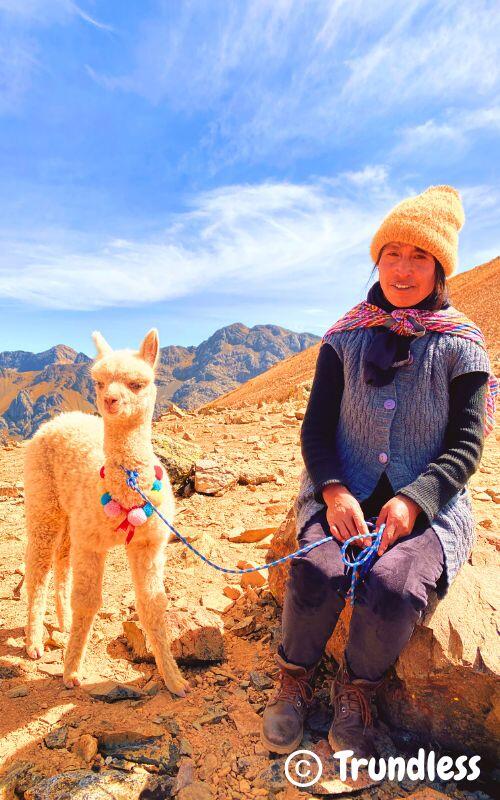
x=187, y=165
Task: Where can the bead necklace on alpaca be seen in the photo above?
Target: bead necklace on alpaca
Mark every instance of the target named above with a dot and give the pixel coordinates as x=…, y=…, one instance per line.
x=135, y=516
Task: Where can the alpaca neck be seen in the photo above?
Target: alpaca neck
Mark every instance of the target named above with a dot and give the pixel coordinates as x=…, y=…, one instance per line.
x=131, y=448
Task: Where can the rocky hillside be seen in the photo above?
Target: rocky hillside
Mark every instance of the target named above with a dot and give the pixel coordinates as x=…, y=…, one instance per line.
x=36, y=386
x=123, y=735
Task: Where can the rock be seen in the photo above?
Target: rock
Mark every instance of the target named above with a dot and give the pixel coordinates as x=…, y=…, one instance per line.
x=185, y=776
x=447, y=677
x=177, y=456
x=10, y=671
x=51, y=657
x=170, y=724
x=9, y=490
x=86, y=747
x=213, y=478
x=233, y=592
x=494, y=493
x=215, y=715
x=255, y=479
x=244, y=626
x=195, y=791
x=56, y=739
x=18, y=778
x=17, y=691
x=261, y=681
x=246, y=720
x=136, y=641
x=209, y=765
x=171, y=408
x=54, y=670
x=217, y=602
x=275, y=509
x=253, y=534
x=82, y=784
x=58, y=639
x=197, y=635
x=112, y=692
x=121, y=743
x=252, y=578
x=185, y=747
x=445, y=686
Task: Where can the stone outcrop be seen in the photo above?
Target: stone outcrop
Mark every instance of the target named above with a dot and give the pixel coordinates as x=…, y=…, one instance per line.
x=445, y=685
x=177, y=456
x=197, y=636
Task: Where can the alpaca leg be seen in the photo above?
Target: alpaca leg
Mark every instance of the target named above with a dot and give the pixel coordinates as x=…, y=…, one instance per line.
x=38, y=558
x=147, y=566
x=86, y=599
x=62, y=580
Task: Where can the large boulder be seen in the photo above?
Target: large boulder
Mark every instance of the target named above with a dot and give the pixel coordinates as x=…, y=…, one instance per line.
x=177, y=456
x=445, y=684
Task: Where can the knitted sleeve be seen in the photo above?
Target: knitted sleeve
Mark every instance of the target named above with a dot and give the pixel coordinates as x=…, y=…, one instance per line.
x=465, y=356
x=462, y=448
x=317, y=435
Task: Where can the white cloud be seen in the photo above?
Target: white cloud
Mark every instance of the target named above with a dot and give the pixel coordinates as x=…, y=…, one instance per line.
x=267, y=240
x=289, y=77
x=237, y=239
x=20, y=51
x=453, y=131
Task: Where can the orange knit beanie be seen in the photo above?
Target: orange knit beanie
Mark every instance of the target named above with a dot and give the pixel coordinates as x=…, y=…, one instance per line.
x=430, y=220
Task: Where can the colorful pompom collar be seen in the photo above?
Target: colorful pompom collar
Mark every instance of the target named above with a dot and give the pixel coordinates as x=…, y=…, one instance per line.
x=135, y=516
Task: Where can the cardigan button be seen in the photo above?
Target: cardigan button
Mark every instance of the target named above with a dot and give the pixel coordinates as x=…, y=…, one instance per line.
x=383, y=458
x=390, y=404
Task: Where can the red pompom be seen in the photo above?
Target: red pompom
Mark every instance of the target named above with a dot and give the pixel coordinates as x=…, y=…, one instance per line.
x=101, y=472
x=158, y=473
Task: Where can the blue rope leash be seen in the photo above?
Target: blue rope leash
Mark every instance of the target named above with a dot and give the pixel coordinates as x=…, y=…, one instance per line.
x=360, y=566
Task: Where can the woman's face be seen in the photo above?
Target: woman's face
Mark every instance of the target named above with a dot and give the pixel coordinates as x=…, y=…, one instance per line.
x=403, y=265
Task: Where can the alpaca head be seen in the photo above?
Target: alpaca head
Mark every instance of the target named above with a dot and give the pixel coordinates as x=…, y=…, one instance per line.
x=124, y=380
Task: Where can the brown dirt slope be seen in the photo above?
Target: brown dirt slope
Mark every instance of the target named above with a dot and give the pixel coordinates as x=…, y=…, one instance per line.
x=475, y=292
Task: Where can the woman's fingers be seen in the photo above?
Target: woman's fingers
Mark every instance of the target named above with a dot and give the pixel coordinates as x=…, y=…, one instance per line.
x=361, y=528
x=335, y=533
x=387, y=536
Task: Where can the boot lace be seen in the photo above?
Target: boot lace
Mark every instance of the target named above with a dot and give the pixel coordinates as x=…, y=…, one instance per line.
x=354, y=698
x=290, y=685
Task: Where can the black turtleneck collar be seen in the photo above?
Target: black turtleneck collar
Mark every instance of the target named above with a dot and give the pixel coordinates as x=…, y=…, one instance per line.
x=387, y=347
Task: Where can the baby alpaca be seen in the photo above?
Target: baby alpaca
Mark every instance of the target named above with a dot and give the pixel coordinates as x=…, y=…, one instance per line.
x=71, y=462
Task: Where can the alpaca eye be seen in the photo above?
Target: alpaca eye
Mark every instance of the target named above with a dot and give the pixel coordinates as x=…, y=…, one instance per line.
x=99, y=384
x=136, y=386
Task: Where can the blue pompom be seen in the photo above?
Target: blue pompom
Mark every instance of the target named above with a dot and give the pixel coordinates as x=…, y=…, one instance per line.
x=156, y=487
x=148, y=509
x=105, y=498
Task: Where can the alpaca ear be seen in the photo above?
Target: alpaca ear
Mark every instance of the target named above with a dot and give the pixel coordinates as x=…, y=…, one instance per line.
x=103, y=348
x=150, y=348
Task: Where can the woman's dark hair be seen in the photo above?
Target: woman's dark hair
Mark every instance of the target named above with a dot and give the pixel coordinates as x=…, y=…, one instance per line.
x=440, y=286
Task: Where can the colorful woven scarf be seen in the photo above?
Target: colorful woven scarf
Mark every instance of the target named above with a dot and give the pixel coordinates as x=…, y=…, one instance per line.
x=415, y=322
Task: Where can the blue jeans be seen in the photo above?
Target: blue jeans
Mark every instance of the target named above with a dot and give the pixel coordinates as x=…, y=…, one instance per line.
x=387, y=604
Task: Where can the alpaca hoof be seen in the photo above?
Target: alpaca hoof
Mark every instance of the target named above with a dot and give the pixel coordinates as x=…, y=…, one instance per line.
x=180, y=687
x=34, y=651
x=71, y=681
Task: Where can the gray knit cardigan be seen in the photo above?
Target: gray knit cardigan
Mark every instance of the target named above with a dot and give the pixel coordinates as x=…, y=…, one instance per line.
x=404, y=436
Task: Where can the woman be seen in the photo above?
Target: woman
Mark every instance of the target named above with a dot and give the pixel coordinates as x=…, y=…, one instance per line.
x=392, y=433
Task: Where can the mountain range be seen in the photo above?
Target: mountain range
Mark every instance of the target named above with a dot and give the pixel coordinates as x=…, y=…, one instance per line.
x=36, y=386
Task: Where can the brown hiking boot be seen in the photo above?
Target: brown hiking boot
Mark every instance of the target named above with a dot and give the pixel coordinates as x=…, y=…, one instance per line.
x=352, y=726
x=283, y=718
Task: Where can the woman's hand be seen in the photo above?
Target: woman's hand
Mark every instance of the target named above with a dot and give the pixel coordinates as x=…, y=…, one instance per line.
x=398, y=515
x=344, y=514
